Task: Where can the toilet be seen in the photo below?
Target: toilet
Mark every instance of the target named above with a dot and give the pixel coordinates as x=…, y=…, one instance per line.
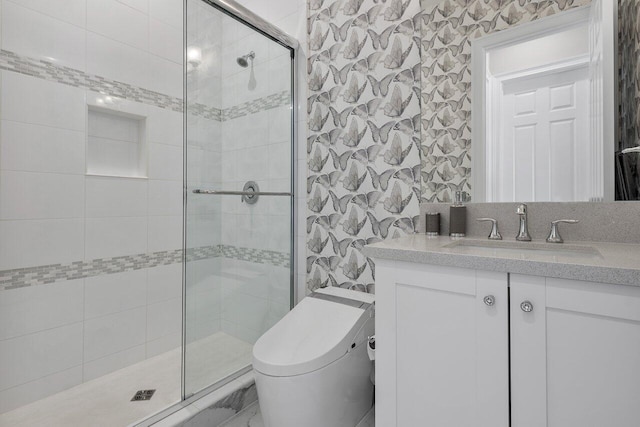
x=311, y=368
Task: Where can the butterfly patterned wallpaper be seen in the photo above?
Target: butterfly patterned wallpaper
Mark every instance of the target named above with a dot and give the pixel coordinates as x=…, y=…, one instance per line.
x=447, y=31
x=363, y=146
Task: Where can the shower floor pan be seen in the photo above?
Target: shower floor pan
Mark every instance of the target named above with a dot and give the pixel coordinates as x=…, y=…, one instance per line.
x=106, y=401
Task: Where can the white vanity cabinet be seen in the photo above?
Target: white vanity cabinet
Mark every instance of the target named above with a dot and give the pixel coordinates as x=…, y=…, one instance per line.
x=562, y=353
x=575, y=357
x=441, y=351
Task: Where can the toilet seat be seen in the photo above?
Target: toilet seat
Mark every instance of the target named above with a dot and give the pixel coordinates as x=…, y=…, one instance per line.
x=317, y=332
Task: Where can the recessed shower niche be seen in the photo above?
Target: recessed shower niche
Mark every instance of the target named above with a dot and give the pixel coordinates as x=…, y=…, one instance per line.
x=116, y=144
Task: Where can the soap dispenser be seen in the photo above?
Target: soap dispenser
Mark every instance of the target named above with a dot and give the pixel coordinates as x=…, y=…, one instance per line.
x=457, y=217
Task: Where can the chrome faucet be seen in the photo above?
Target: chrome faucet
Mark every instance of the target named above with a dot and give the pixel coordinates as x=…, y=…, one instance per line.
x=523, y=231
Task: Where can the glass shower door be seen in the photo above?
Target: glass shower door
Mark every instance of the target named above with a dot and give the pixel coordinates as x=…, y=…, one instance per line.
x=238, y=269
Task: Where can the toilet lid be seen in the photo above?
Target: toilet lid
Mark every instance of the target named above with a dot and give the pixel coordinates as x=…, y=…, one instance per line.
x=311, y=336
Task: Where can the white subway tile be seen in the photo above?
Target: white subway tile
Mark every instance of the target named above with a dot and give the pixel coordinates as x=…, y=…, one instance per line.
x=167, y=11
x=141, y=5
x=118, y=61
x=71, y=11
x=165, y=41
x=164, y=126
x=164, y=318
x=164, y=344
x=40, y=388
x=33, y=356
x=117, y=236
x=165, y=233
x=118, y=22
x=165, y=197
x=166, y=77
x=164, y=282
x=36, y=308
x=114, y=333
x=280, y=125
x=99, y=367
x=31, y=195
x=34, y=34
x=165, y=162
x=115, y=196
x=40, y=242
x=113, y=293
x=34, y=148
x=22, y=101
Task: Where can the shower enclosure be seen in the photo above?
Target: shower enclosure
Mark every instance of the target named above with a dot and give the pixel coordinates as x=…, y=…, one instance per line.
x=239, y=193
x=146, y=153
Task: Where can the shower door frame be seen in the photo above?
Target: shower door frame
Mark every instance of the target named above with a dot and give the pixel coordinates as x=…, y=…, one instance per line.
x=247, y=17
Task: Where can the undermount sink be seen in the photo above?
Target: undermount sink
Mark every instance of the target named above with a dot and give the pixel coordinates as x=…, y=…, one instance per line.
x=521, y=249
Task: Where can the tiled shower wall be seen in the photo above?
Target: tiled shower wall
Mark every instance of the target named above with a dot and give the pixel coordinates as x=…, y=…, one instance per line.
x=96, y=316
x=256, y=146
x=291, y=17
x=90, y=278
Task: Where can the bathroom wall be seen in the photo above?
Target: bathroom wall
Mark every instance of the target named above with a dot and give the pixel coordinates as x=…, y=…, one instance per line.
x=629, y=91
x=90, y=273
x=447, y=31
x=363, y=145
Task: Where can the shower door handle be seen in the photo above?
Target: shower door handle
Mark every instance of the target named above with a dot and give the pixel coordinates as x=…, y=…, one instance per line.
x=242, y=193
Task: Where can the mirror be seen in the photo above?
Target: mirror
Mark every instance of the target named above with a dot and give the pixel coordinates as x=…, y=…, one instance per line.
x=520, y=100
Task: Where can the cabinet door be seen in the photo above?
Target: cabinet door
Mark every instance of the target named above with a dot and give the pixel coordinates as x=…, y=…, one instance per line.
x=575, y=358
x=441, y=352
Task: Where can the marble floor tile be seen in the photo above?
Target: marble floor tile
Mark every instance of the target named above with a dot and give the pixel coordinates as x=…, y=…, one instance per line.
x=250, y=417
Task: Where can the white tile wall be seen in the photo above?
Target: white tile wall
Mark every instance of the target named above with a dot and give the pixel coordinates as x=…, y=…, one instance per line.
x=104, y=365
x=42, y=387
x=32, y=309
x=114, y=293
x=71, y=11
x=34, y=148
x=105, y=196
x=28, y=243
x=118, y=319
x=22, y=102
x=31, y=195
x=109, y=237
x=29, y=357
x=57, y=335
x=118, y=21
x=35, y=34
x=113, y=333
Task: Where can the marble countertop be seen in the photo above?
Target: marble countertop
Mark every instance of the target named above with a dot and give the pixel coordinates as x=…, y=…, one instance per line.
x=615, y=263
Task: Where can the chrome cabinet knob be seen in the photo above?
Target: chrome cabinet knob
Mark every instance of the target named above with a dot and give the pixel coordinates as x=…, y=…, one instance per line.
x=489, y=300
x=526, y=306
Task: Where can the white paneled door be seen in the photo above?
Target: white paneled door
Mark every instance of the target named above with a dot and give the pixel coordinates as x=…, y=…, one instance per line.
x=543, y=137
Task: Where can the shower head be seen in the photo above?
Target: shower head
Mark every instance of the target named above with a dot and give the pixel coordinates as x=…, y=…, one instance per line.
x=243, y=61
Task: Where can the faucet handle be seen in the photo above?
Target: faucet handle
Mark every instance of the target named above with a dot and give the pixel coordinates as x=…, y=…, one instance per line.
x=554, y=234
x=495, y=234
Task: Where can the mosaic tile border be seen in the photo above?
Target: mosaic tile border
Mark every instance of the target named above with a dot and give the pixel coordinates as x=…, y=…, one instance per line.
x=261, y=256
x=45, y=274
x=47, y=70
x=256, y=105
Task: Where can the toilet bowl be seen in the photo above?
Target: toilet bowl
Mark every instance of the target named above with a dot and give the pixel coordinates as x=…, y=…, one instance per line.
x=312, y=368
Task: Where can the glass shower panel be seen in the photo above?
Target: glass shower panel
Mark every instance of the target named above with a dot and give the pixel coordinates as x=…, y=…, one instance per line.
x=239, y=140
